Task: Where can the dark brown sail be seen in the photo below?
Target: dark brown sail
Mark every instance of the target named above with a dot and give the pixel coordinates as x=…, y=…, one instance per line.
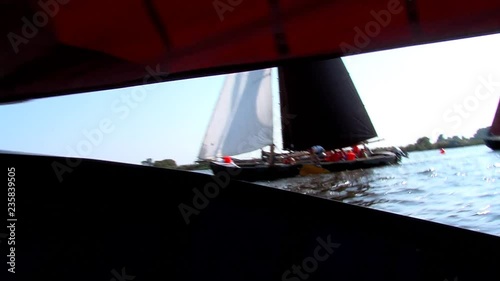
x=495, y=126
x=493, y=138
x=321, y=106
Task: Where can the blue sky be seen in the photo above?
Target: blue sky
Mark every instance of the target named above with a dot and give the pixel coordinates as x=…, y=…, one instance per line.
x=450, y=87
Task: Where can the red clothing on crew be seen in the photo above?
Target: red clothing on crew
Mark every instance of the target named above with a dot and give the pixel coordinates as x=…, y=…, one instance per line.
x=337, y=156
x=351, y=156
x=355, y=149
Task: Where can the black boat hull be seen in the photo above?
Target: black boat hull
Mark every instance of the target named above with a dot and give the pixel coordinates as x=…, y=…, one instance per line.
x=363, y=163
x=494, y=144
x=257, y=172
x=97, y=220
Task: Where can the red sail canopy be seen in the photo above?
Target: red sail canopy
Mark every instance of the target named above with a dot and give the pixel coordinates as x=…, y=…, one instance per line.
x=57, y=47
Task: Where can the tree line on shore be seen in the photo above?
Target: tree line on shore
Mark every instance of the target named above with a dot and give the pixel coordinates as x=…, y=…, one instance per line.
x=171, y=164
x=424, y=143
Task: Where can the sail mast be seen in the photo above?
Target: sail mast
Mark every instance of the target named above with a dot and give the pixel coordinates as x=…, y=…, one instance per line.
x=272, y=147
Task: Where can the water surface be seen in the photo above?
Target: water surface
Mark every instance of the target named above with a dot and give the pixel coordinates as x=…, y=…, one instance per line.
x=459, y=188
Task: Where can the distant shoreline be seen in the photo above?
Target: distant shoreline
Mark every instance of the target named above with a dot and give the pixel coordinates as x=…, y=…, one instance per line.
x=423, y=143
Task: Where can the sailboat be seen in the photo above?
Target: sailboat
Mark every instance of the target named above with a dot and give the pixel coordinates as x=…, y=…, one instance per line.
x=319, y=104
x=493, y=139
x=243, y=122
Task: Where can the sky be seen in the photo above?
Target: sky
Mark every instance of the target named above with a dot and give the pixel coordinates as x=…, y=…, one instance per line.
x=450, y=87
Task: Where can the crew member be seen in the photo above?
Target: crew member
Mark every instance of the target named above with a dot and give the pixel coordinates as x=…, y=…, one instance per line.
x=355, y=149
x=351, y=155
x=318, y=150
x=317, y=153
x=337, y=156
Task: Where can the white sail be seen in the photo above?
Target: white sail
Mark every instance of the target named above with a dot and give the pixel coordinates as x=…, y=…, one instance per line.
x=243, y=117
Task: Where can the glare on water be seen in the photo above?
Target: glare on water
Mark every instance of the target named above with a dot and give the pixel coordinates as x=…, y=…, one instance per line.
x=459, y=188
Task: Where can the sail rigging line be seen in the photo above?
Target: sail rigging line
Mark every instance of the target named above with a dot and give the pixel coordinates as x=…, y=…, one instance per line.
x=284, y=105
x=277, y=27
x=156, y=20
x=413, y=17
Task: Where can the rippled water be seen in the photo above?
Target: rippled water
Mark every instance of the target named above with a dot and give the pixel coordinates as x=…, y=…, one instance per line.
x=459, y=188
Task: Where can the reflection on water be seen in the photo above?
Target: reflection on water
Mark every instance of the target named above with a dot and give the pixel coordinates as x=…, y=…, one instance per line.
x=459, y=188
x=338, y=186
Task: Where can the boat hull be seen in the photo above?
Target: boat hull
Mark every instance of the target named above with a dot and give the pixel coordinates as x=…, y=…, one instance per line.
x=364, y=163
x=493, y=143
x=257, y=172
x=146, y=223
